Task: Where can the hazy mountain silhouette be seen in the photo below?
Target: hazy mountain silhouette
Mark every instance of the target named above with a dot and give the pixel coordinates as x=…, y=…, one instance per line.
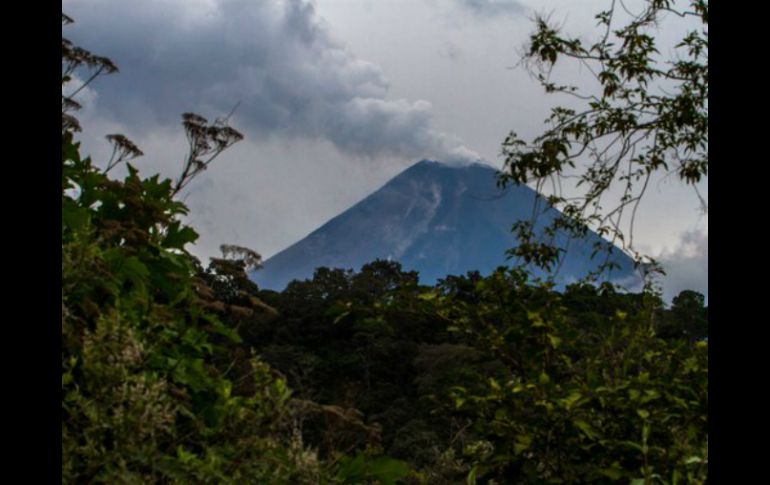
x=436, y=219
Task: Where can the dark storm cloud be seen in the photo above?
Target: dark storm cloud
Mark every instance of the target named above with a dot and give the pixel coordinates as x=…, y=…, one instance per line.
x=275, y=58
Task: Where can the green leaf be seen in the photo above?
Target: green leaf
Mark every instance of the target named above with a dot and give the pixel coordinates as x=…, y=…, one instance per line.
x=471, y=478
x=340, y=317
x=536, y=319
x=586, y=428
x=387, y=470
x=693, y=459
x=613, y=473
x=351, y=469
x=523, y=441
x=177, y=238
x=631, y=444
x=494, y=384
x=555, y=341
x=132, y=269
x=675, y=477
x=225, y=388
x=220, y=328
x=74, y=218
x=184, y=455
x=570, y=400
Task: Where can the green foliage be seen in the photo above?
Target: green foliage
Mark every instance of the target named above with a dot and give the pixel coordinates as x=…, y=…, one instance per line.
x=148, y=389
x=528, y=385
x=688, y=317
x=361, y=469
x=176, y=373
x=583, y=403
x=644, y=115
x=143, y=398
x=599, y=386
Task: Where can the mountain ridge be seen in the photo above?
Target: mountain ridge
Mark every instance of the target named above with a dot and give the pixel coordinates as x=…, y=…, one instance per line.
x=435, y=218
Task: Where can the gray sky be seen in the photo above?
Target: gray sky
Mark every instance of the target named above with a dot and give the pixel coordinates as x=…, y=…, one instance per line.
x=335, y=97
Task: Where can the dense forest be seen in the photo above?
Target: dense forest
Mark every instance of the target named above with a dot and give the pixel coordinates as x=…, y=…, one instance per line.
x=179, y=371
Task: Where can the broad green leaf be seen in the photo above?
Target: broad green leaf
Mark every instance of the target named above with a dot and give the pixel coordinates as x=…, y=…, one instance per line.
x=387, y=470
x=555, y=341
x=522, y=443
x=693, y=459
x=471, y=478
x=178, y=237
x=586, y=428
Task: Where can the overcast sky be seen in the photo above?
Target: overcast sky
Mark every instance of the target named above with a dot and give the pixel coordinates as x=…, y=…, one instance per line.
x=334, y=98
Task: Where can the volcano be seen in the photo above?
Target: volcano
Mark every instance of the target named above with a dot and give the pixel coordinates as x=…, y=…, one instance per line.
x=438, y=220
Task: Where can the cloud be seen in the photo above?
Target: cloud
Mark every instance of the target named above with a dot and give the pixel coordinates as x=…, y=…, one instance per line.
x=452, y=52
x=276, y=60
x=686, y=265
x=490, y=8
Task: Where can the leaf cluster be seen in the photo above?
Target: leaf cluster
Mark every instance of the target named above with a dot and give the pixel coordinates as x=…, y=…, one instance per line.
x=645, y=115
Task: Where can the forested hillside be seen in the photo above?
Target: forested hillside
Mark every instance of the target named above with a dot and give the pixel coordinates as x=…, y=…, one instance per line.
x=492, y=377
